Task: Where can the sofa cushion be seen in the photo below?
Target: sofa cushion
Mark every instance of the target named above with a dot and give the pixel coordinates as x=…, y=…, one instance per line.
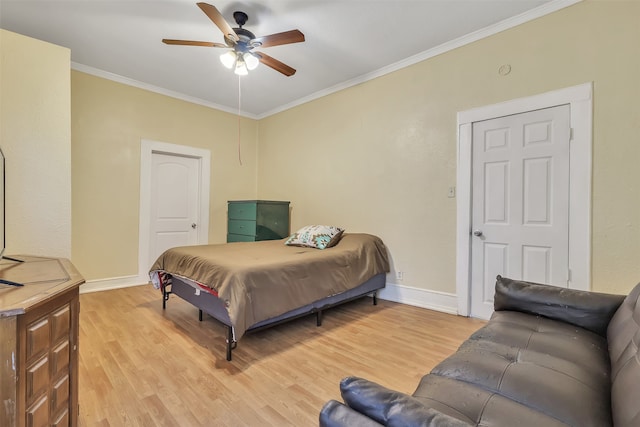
x=624, y=339
x=479, y=406
x=520, y=361
x=335, y=414
x=545, y=336
x=392, y=408
x=589, y=310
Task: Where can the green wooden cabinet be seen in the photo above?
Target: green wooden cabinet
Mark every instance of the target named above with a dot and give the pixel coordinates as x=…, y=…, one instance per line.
x=253, y=220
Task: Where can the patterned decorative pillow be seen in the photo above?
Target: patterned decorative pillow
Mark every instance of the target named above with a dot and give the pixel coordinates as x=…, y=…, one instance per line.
x=316, y=236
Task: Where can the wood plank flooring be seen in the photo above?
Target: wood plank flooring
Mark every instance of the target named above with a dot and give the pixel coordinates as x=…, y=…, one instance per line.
x=142, y=366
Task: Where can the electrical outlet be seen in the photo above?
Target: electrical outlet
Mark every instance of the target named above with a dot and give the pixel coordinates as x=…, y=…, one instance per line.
x=451, y=193
x=399, y=275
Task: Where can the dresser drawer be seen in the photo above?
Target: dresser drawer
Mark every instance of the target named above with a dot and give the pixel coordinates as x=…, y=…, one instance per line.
x=273, y=222
x=240, y=238
x=247, y=228
x=244, y=210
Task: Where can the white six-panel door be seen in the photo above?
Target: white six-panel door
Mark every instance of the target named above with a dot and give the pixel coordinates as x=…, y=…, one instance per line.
x=520, y=201
x=175, y=190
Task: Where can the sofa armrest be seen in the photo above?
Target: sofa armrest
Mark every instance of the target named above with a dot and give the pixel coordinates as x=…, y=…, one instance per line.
x=392, y=408
x=588, y=310
x=335, y=414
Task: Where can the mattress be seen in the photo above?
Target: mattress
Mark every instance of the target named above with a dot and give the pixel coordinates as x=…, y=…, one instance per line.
x=261, y=280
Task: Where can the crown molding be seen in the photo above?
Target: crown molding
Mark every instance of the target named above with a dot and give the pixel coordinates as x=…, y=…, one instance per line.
x=156, y=89
x=514, y=21
x=540, y=11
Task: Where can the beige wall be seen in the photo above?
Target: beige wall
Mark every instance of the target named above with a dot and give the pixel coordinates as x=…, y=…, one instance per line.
x=109, y=120
x=379, y=157
x=35, y=136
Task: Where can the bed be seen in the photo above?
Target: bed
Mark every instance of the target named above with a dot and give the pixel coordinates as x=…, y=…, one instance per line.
x=252, y=285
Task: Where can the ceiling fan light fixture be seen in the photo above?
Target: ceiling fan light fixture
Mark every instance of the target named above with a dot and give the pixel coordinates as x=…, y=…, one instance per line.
x=251, y=61
x=228, y=59
x=240, y=41
x=241, y=68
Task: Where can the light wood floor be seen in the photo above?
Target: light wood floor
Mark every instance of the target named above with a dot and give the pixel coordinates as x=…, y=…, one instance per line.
x=142, y=366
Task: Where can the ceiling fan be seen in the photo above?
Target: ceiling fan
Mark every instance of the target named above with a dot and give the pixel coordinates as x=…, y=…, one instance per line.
x=242, y=58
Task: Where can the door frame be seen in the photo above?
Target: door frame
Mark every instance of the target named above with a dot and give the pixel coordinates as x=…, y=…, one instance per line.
x=580, y=99
x=147, y=149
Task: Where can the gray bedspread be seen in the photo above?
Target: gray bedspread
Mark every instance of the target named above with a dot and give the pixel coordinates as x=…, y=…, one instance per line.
x=261, y=280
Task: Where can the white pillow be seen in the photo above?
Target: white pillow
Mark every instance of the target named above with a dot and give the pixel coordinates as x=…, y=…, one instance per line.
x=316, y=236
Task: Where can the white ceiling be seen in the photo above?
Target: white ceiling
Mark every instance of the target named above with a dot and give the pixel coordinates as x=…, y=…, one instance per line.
x=346, y=41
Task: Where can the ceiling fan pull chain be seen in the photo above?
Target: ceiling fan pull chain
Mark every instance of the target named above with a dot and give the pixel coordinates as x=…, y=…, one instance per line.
x=239, y=110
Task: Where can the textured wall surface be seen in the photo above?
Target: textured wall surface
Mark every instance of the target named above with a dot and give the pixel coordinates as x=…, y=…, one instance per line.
x=35, y=136
x=379, y=157
x=109, y=121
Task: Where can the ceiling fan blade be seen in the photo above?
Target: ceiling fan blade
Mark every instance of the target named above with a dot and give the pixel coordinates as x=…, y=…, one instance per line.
x=275, y=64
x=287, y=37
x=219, y=20
x=193, y=43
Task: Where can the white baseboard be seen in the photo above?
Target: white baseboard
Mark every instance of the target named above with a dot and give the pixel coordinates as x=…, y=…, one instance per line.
x=113, y=283
x=432, y=300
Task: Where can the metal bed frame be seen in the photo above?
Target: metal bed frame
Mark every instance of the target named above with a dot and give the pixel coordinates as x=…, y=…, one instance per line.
x=213, y=306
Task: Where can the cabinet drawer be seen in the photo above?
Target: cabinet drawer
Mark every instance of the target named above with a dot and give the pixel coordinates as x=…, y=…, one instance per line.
x=60, y=396
x=247, y=228
x=37, y=338
x=273, y=222
x=239, y=238
x=60, y=357
x=38, y=414
x=61, y=324
x=244, y=210
x=37, y=379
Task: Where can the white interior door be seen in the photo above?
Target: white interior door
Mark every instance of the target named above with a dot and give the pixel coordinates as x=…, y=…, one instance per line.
x=520, y=202
x=174, y=202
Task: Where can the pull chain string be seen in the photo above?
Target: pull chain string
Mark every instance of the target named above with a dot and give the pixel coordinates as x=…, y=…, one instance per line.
x=239, y=109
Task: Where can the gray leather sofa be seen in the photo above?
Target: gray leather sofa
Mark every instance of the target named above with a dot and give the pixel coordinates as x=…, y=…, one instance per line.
x=548, y=357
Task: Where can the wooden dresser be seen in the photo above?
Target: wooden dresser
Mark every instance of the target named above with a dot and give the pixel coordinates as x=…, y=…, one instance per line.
x=253, y=220
x=39, y=343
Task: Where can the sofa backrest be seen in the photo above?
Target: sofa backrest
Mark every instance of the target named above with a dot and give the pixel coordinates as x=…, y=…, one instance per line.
x=623, y=336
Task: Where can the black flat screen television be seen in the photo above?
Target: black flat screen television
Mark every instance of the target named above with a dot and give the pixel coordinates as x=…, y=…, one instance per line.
x=2, y=221
x=2, y=208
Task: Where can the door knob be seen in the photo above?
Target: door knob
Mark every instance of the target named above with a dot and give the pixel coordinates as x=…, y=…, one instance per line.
x=193, y=225
x=477, y=233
